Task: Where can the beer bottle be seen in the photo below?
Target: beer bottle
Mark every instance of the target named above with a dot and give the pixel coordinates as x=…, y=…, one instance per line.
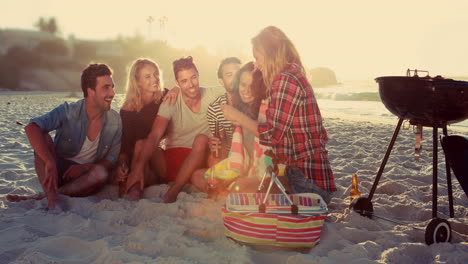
x=354, y=193
x=216, y=134
x=123, y=182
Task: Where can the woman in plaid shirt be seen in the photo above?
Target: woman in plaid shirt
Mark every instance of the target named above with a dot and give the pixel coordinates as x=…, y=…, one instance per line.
x=294, y=126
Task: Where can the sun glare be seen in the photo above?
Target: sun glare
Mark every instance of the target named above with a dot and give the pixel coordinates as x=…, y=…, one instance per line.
x=360, y=39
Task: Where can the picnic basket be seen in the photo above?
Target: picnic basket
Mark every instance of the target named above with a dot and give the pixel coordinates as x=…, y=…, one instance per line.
x=278, y=220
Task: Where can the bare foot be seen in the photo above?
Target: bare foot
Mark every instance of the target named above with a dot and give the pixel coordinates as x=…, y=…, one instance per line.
x=57, y=209
x=133, y=194
x=212, y=194
x=223, y=193
x=171, y=195
x=52, y=200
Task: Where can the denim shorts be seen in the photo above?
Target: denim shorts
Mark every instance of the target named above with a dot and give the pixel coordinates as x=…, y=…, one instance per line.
x=300, y=184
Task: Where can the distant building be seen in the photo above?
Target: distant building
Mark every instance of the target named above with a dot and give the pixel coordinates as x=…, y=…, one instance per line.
x=28, y=39
x=58, y=60
x=97, y=48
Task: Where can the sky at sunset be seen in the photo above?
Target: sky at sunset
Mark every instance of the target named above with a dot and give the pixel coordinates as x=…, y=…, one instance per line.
x=360, y=39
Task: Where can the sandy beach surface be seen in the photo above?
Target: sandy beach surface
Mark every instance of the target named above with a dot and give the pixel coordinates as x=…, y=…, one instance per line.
x=105, y=229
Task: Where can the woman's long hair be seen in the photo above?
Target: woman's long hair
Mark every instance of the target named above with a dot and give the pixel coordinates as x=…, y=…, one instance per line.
x=279, y=52
x=258, y=91
x=133, y=99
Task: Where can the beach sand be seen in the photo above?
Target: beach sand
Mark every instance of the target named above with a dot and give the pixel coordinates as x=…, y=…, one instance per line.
x=105, y=229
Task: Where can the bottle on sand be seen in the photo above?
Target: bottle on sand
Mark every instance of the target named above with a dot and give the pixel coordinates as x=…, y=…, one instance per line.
x=354, y=193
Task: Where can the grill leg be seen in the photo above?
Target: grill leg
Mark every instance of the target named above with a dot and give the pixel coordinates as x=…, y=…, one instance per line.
x=384, y=161
x=434, y=171
x=449, y=179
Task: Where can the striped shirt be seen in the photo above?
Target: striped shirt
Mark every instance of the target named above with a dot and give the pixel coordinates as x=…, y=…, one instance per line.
x=294, y=127
x=214, y=114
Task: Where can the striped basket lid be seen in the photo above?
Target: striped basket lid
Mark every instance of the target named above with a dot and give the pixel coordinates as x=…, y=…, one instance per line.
x=307, y=203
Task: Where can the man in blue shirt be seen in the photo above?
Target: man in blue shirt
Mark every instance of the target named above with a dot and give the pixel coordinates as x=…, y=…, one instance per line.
x=87, y=139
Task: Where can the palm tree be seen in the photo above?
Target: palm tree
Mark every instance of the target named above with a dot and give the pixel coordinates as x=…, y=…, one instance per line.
x=47, y=26
x=52, y=26
x=41, y=24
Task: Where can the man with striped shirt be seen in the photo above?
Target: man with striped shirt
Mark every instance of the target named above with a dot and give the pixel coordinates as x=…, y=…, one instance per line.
x=226, y=72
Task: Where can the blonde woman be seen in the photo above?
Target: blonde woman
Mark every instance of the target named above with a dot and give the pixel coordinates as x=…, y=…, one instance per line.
x=141, y=105
x=293, y=126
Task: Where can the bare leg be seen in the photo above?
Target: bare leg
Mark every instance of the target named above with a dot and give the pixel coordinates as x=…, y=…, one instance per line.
x=213, y=187
x=195, y=160
x=154, y=171
x=135, y=191
x=150, y=177
x=86, y=184
x=158, y=165
x=198, y=180
x=44, y=176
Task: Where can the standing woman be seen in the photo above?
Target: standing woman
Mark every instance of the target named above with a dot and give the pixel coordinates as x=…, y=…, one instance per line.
x=293, y=126
x=141, y=104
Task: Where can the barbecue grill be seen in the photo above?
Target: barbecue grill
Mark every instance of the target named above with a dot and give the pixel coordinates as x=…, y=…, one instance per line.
x=424, y=101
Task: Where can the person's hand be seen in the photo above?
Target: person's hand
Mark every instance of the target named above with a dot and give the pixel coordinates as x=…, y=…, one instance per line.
x=214, y=144
x=122, y=172
x=50, y=181
x=135, y=177
x=50, y=184
x=216, y=151
x=75, y=171
x=171, y=96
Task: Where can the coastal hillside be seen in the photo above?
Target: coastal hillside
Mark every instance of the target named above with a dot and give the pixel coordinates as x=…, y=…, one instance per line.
x=32, y=60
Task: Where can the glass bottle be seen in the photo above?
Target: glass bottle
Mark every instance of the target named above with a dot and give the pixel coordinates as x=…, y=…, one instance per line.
x=354, y=193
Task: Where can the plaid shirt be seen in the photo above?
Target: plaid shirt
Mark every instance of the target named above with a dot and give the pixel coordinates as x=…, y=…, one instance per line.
x=294, y=127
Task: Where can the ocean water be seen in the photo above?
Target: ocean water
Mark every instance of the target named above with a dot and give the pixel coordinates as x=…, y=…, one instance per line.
x=360, y=100
x=352, y=100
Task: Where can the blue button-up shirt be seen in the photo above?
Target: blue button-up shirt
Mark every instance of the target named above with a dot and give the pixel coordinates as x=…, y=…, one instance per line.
x=71, y=124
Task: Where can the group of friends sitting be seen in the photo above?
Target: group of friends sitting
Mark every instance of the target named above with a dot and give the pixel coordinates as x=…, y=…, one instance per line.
x=188, y=134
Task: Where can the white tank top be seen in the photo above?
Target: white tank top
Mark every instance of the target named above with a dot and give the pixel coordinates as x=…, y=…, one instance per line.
x=88, y=151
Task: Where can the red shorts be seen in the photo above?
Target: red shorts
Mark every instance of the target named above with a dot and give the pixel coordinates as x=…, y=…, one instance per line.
x=174, y=158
